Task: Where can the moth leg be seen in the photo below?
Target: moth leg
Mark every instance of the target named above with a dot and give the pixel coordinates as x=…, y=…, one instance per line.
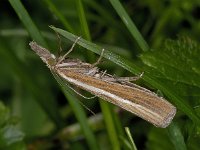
x=69, y=51
x=129, y=79
x=93, y=71
x=136, y=77
x=122, y=79
x=103, y=73
x=99, y=59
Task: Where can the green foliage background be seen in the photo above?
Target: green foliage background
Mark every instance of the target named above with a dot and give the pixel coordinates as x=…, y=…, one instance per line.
x=159, y=38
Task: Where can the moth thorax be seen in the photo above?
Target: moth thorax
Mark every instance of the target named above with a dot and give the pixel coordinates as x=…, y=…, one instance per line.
x=51, y=61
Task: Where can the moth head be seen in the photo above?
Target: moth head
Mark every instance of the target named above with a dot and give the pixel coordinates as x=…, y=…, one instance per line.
x=44, y=54
x=50, y=60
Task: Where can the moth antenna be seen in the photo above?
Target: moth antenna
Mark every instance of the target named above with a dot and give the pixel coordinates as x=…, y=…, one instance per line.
x=127, y=79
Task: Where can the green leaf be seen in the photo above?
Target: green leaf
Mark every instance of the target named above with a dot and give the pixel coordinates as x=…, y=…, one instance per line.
x=4, y=114
x=10, y=135
x=176, y=66
x=169, y=139
x=193, y=136
x=158, y=140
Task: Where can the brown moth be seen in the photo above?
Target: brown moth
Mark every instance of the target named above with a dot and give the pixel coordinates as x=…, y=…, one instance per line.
x=116, y=90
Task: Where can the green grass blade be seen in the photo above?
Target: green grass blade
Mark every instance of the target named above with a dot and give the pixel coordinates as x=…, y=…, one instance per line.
x=176, y=137
x=83, y=20
x=110, y=125
x=28, y=23
x=129, y=24
x=106, y=17
x=56, y=12
x=84, y=26
x=130, y=138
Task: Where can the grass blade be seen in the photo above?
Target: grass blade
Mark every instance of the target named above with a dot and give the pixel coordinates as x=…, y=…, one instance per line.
x=56, y=12
x=129, y=24
x=176, y=137
x=84, y=26
x=28, y=23
x=83, y=20
x=110, y=125
x=130, y=138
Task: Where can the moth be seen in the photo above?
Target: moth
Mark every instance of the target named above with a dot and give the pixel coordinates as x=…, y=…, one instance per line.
x=116, y=90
